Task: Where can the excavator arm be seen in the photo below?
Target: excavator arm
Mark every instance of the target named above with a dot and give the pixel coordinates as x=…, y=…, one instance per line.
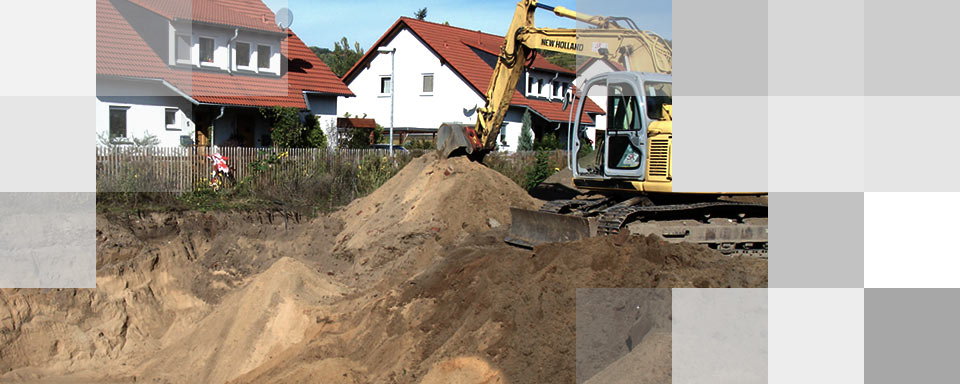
x=637, y=50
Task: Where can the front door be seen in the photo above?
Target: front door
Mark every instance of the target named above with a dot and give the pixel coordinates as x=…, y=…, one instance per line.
x=245, y=123
x=625, y=143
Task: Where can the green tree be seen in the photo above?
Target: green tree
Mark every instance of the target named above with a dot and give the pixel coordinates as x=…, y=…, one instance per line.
x=562, y=59
x=526, y=133
x=342, y=57
x=359, y=138
x=421, y=14
x=320, y=51
x=548, y=142
x=289, y=130
x=315, y=137
x=540, y=170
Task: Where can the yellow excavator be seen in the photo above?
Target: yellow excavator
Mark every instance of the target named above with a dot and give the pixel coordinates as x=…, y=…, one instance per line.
x=627, y=168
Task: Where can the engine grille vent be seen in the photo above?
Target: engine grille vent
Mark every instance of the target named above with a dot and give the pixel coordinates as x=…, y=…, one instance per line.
x=659, y=157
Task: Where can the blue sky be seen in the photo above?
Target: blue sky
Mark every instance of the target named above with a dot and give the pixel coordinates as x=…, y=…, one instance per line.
x=320, y=23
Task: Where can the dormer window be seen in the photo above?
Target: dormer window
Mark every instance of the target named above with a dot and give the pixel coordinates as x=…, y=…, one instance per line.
x=243, y=54
x=183, y=49
x=263, y=56
x=206, y=50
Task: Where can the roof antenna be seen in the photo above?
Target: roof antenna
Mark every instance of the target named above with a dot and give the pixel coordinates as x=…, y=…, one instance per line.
x=284, y=18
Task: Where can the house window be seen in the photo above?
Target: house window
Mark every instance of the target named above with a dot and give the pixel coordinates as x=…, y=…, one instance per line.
x=540, y=86
x=183, y=49
x=503, y=136
x=529, y=85
x=118, y=122
x=557, y=90
x=386, y=83
x=427, y=83
x=243, y=54
x=206, y=50
x=170, y=117
x=263, y=56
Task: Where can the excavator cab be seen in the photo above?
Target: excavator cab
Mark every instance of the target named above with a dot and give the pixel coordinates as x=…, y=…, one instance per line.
x=619, y=145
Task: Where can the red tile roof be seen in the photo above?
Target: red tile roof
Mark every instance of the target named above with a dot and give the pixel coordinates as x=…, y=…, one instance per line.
x=121, y=52
x=352, y=122
x=251, y=14
x=456, y=46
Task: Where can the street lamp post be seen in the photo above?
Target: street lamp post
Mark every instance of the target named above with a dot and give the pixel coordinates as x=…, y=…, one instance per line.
x=393, y=85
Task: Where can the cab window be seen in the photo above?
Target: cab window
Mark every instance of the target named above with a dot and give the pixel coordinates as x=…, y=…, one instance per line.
x=622, y=108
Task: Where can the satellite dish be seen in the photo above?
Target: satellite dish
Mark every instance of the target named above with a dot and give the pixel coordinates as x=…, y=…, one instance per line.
x=284, y=18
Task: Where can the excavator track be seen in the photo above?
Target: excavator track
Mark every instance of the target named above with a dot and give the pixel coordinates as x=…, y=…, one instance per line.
x=575, y=206
x=731, y=227
x=612, y=220
x=736, y=238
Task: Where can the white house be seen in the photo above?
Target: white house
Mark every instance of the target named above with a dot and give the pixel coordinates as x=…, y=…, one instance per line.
x=441, y=75
x=196, y=72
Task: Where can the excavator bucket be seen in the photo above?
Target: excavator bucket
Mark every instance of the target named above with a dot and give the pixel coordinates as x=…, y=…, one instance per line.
x=455, y=138
x=530, y=228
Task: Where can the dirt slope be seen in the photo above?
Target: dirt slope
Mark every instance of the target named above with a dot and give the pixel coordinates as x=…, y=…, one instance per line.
x=509, y=308
x=410, y=284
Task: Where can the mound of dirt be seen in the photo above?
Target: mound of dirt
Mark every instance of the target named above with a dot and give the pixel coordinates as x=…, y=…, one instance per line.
x=158, y=276
x=260, y=320
x=430, y=203
x=505, y=308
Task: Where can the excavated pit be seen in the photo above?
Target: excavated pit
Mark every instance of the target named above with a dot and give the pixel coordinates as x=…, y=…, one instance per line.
x=410, y=284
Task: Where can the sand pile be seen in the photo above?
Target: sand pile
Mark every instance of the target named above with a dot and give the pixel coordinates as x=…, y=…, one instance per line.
x=430, y=203
x=509, y=312
x=260, y=320
x=159, y=275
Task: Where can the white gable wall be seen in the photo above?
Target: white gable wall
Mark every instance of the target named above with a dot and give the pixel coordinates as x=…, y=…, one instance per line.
x=451, y=95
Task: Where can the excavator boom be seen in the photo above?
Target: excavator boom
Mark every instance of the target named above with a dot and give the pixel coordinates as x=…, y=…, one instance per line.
x=638, y=50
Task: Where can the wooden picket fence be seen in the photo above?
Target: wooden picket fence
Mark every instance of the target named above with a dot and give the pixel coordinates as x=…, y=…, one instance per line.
x=182, y=169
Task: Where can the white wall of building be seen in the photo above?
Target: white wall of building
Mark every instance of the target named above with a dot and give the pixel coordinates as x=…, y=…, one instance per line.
x=324, y=107
x=146, y=105
x=224, y=55
x=545, y=85
x=452, y=100
x=510, y=131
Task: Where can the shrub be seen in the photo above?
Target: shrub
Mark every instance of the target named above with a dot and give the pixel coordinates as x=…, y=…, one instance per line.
x=289, y=130
x=540, y=170
x=360, y=138
x=548, y=142
x=419, y=144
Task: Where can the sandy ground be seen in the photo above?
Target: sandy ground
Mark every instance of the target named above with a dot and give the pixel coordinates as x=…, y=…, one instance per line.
x=411, y=284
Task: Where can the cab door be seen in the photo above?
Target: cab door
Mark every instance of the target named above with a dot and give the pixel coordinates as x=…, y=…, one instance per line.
x=625, y=141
